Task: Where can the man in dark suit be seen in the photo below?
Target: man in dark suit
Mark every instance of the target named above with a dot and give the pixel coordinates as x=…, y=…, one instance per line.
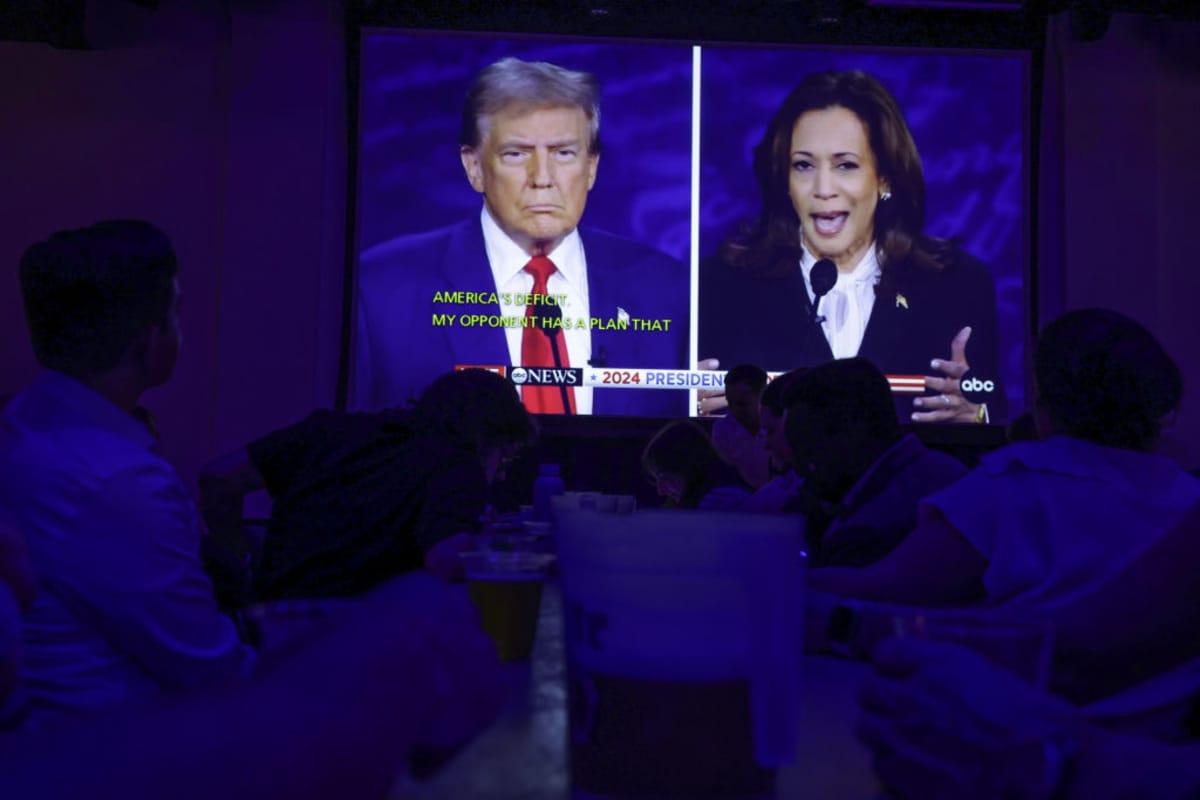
x=469, y=293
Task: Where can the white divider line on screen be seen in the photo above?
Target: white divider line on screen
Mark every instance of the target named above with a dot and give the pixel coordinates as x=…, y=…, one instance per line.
x=694, y=236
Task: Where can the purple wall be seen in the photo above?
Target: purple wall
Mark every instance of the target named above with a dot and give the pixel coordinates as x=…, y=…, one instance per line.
x=228, y=131
x=122, y=133
x=1129, y=109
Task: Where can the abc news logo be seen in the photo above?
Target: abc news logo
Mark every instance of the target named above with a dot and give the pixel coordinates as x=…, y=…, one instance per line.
x=976, y=385
x=547, y=376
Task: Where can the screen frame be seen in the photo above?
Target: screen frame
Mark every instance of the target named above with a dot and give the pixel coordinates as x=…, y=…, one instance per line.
x=960, y=31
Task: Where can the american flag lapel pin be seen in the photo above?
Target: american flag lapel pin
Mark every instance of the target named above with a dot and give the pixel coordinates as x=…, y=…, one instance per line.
x=901, y=301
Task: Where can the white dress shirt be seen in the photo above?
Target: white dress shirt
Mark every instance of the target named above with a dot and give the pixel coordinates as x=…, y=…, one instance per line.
x=847, y=306
x=124, y=607
x=508, y=262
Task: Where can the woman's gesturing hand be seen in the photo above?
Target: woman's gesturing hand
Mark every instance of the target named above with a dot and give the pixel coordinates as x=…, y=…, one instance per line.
x=710, y=401
x=948, y=405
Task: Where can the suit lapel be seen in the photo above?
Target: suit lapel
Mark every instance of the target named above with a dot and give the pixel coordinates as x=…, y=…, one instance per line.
x=604, y=304
x=885, y=329
x=465, y=268
x=814, y=347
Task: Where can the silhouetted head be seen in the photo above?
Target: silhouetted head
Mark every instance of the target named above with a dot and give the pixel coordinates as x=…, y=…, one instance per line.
x=772, y=411
x=1104, y=378
x=840, y=419
x=744, y=385
x=478, y=410
x=104, y=297
x=678, y=460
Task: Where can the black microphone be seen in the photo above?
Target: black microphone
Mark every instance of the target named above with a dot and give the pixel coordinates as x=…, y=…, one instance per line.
x=553, y=315
x=821, y=277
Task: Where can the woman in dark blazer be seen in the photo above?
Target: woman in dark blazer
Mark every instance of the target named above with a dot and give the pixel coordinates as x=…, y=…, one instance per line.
x=840, y=179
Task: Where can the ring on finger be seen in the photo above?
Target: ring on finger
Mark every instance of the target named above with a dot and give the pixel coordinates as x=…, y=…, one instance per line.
x=946, y=400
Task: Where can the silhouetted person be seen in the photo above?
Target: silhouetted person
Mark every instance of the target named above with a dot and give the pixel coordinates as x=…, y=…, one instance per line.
x=736, y=435
x=863, y=472
x=683, y=465
x=124, y=608
x=782, y=491
x=406, y=671
x=944, y=722
x=363, y=497
x=1040, y=522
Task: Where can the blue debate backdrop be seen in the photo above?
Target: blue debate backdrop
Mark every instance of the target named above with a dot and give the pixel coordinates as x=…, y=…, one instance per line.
x=968, y=113
x=410, y=178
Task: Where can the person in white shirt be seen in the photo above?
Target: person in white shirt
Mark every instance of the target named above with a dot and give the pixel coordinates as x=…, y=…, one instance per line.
x=941, y=721
x=124, y=608
x=1038, y=523
x=1042, y=526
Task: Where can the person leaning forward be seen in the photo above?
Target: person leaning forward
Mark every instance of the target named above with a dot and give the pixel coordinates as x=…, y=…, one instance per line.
x=362, y=497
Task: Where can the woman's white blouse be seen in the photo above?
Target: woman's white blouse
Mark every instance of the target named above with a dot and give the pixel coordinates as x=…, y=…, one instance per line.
x=847, y=307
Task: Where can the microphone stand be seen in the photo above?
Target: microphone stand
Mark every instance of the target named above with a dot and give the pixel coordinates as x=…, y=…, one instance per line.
x=552, y=334
x=812, y=312
x=822, y=278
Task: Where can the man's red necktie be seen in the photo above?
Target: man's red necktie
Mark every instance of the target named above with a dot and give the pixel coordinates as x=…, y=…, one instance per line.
x=535, y=346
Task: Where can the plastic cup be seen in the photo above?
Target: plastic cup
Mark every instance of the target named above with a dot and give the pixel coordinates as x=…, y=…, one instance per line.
x=567, y=501
x=511, y=541
x=682, y=633
x=594, y=501
x=506, y=587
